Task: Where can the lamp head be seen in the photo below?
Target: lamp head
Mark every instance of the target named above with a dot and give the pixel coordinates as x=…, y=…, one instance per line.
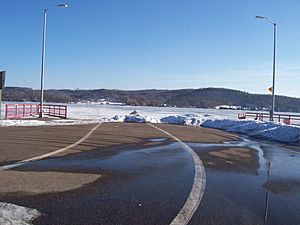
x=62, y=5
x=260, y=17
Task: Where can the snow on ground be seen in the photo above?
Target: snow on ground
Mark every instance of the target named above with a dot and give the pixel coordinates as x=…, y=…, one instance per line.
x=212, y=118
x=187, y=119
x=36, y=122
x=265, y=130
x=11, y=214
x=96, y=112
x=133, y=119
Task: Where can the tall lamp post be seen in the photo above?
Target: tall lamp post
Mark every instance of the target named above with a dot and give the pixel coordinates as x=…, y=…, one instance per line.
x=274, y=54
x=43, y=56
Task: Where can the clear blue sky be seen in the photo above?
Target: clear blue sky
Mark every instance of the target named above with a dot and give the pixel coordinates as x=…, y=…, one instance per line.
x=162, y=44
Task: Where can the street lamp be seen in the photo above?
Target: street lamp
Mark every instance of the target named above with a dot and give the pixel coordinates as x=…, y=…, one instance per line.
x=274, y=54
x=43, y=56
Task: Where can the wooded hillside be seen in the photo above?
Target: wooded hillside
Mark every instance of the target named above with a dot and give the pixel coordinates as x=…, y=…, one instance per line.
x=200, y=98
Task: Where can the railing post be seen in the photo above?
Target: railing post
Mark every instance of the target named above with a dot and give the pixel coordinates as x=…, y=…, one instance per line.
x=6, y=111
x=16, y=111
x=66, y=112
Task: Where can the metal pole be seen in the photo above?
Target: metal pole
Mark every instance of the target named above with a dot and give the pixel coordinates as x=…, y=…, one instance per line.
x=273, y=86
x=43, y=65
x=0, y=102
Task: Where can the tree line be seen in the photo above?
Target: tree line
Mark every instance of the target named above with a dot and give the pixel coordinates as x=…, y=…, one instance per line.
x=198, y=98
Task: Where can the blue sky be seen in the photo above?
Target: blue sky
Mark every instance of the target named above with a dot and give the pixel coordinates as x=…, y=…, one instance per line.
x=145, y=44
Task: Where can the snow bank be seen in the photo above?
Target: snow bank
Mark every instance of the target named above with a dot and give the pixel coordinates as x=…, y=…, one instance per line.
x=16, y=215
x=187, y=119
x=134, y=119
x=266, y=130
x=36, y=122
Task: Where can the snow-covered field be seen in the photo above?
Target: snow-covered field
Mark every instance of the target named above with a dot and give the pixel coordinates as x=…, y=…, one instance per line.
x=211, y=118
x=83, y=111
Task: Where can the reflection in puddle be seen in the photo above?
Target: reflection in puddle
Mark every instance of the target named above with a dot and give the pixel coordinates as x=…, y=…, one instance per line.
x=283, y=186
x=267, y=195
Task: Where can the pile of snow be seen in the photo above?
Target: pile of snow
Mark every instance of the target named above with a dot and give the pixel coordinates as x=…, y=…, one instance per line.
x=17, y=215
x=266, y=130
x=187, y=119
x=134, y=119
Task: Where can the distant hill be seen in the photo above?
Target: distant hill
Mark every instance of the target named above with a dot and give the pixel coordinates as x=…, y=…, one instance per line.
x=199, y=98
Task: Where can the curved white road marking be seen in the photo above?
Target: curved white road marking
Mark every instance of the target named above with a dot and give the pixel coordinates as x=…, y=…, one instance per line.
x=195, y=196
x=17, y=164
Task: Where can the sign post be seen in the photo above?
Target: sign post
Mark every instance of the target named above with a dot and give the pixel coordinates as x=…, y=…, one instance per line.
x=2, y=84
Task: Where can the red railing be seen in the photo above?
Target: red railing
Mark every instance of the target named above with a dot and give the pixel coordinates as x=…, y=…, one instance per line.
x=55, y=110
x=278, y=117
x=15, y=111
x=21, y=110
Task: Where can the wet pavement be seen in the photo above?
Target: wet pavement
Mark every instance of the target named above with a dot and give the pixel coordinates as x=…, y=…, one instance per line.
x=265, y=191
x=137, y=186
x=247, y=182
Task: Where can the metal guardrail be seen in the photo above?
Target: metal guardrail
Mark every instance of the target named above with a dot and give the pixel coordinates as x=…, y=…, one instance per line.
x=55, y=110
x=16, y=111
x=289, y=119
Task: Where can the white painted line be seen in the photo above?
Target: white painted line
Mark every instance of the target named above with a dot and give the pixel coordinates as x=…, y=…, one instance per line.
x=17, y=164
x=197, y=191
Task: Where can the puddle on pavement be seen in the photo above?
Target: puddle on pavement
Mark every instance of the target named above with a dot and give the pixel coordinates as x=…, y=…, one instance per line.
x=249, y=183
x=157, y=139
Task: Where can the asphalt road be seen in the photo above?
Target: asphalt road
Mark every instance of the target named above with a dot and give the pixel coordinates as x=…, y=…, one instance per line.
x=121, y=173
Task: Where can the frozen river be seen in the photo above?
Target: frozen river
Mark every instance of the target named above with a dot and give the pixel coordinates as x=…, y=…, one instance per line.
x=83, y=111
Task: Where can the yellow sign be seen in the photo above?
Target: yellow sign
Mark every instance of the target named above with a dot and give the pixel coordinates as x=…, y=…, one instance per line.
x=271, y=89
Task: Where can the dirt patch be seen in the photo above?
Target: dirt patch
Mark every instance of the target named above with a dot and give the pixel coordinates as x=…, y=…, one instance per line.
x=43, y=182
x=18, y=143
